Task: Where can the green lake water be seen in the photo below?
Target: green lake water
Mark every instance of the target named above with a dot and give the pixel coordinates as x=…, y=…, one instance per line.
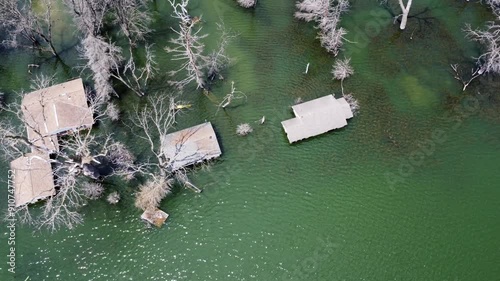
x=409, y=190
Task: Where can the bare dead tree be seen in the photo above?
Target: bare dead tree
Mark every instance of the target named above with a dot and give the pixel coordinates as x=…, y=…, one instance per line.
x=353, y=103
x=457, y=74
x=101, y=56
x=188, y=47
x=133, y=18
x=137, y=78
x=112, y=111
x=405, y=10
x=247, y=3
x=181, y=177
x=152, y=124
x=154, y=121
x=341, y=70
x=152, y=192
x=122, y=161
x=219, y=59
x=326, y=13
x=88, y=15
x=404, y=15
x=233, y=95
x=489, y=60
x=92, y=190
x=243, y=129
x=24, y=26
x=41, y=81
x=494, y=4
x=77, y=153
x=104, y=58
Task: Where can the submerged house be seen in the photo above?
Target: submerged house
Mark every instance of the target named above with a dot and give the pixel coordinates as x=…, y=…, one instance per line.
x=48, y=113
x=190, y=146
x=33, y=179
x=316, y=117
x=56, y=110
x=182, y=149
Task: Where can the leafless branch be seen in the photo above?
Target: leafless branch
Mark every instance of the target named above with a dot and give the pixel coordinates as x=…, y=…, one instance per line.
x=244, y=129
x=23, y=25
x=342, y=69
x=219, y=59
x=234, y=94
x=465, y=82
x=326, y=13
x=73, y=164
x=187, y=47
x=152, y=192
x=104, y=58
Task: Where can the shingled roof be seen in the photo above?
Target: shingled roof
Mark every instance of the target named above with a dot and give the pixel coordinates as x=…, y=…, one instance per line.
x=191, y=146
x=316, y=117
x=55, y=110
x=33, y=179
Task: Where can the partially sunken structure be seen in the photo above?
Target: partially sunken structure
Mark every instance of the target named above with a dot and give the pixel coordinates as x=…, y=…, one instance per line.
x=156, y=217
x=316, y=117
x=33, y=178
x=54, y=111
x=190, y=146
x=48, y=113
x=182, y=149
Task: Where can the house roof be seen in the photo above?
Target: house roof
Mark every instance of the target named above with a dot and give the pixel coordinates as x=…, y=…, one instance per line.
x=191, y=146
x=316, y=117
x=156, y=217
x=33, y=179
x=54, y=110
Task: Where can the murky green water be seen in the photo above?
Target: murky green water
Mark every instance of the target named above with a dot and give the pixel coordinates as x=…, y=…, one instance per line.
x=382, y=199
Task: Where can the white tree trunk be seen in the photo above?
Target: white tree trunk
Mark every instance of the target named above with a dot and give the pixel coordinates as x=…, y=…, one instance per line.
x=406, y=11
